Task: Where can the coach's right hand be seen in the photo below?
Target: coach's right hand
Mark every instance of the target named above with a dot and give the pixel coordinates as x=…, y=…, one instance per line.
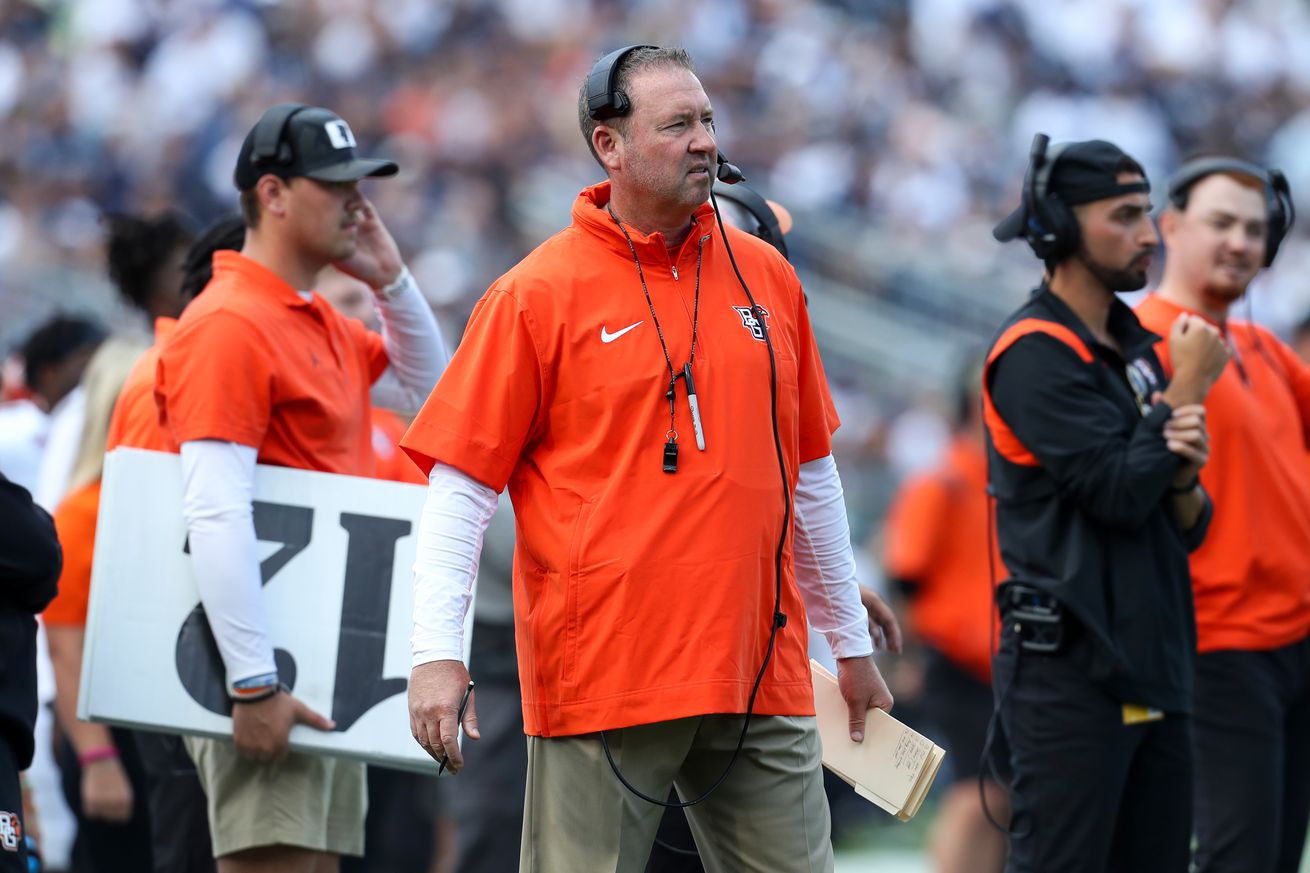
x=260, y=729
x=1198, y=355
x=435, y=691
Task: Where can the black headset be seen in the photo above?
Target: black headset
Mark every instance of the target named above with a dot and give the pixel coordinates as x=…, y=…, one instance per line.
x=268, y=145
x=766, y=221
x=1050, y=226
x=606, y=101
x=1278, y=194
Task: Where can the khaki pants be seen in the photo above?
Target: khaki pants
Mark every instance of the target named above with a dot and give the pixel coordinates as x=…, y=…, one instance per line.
x=769, y=815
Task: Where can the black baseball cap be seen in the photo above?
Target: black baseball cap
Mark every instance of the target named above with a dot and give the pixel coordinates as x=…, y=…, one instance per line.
x=1083, y=172
x=292, y=139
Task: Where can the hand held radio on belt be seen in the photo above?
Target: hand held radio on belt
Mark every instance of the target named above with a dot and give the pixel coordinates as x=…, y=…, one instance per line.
x=1035, y=616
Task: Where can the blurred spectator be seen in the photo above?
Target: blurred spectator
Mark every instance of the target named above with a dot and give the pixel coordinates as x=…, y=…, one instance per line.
x=940, y=551
x=145, y=258
x=54, y=357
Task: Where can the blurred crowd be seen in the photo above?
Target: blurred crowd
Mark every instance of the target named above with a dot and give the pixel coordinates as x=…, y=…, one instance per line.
x=906, y=120
x=895, y=131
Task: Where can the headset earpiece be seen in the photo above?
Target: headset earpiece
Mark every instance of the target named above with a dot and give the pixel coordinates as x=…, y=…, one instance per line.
x=268, y=146
x=604, y=99
x=1050, y=227
x=1282, y=214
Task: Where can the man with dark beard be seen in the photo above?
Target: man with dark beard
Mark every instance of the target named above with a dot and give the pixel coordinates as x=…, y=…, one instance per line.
x=1251, y=578
x=1093, y=457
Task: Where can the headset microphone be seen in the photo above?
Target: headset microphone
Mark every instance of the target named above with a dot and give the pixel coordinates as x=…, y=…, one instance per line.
x=728, y=173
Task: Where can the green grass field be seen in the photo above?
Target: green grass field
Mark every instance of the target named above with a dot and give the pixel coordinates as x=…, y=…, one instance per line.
x=891, y=847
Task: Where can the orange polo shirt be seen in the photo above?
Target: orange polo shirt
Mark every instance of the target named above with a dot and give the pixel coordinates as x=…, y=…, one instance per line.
x=639, y=596
x=1251, y=576
x=935, y=537
x=253, y=362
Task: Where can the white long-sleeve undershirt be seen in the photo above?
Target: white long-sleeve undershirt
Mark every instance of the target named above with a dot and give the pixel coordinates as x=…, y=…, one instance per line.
x=416, y=350
x=218, y=482
x=450, y=532
x=458, y=510
x=825, y=561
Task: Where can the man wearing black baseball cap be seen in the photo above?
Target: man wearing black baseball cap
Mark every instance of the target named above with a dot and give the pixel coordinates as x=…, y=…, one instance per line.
x=261, y=369
x=1093, y=462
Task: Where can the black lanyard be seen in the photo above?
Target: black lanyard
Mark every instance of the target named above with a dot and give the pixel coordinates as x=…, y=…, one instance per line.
x=670, y=458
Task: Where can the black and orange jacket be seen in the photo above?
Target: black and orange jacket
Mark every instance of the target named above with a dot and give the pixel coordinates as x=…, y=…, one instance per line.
x=29, y=573
x=1080, y=472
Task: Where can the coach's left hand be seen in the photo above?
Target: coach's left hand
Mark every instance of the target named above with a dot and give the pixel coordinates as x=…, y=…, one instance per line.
x=863, y=688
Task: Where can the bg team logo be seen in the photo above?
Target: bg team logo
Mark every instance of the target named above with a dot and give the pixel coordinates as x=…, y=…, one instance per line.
x=11, y=831
x=750, y=322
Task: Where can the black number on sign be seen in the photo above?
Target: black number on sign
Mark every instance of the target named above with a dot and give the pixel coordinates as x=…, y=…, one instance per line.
x=199, y=665
x=362, y=643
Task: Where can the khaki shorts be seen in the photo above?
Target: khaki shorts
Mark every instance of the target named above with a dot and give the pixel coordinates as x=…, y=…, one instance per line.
x=313, y=801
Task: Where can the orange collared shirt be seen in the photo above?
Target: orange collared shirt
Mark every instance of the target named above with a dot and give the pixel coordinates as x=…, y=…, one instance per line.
x=253, y=362
x=1251, y=577
x=936, y=536
x=639, y=595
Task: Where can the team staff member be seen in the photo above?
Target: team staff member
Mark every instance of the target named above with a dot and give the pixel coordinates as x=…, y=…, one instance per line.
x=179, y=827
x=1251, y=577
x=939, y=549
x=259, y=369
x=30, y=561
x=644, y=598
x=1093, y=463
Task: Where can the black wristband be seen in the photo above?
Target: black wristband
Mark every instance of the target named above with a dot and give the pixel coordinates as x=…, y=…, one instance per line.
x=1186, y=489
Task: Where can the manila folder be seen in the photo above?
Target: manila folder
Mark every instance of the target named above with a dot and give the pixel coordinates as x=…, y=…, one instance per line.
x=893, y=767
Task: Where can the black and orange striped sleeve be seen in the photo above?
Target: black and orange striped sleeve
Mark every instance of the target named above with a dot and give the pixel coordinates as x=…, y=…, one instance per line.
x=1051, y=399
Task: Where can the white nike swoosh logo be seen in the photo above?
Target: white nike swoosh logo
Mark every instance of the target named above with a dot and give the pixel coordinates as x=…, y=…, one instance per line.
x=607, y=337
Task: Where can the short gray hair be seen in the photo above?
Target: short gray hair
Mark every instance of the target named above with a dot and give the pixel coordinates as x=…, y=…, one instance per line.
x=633, y=62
